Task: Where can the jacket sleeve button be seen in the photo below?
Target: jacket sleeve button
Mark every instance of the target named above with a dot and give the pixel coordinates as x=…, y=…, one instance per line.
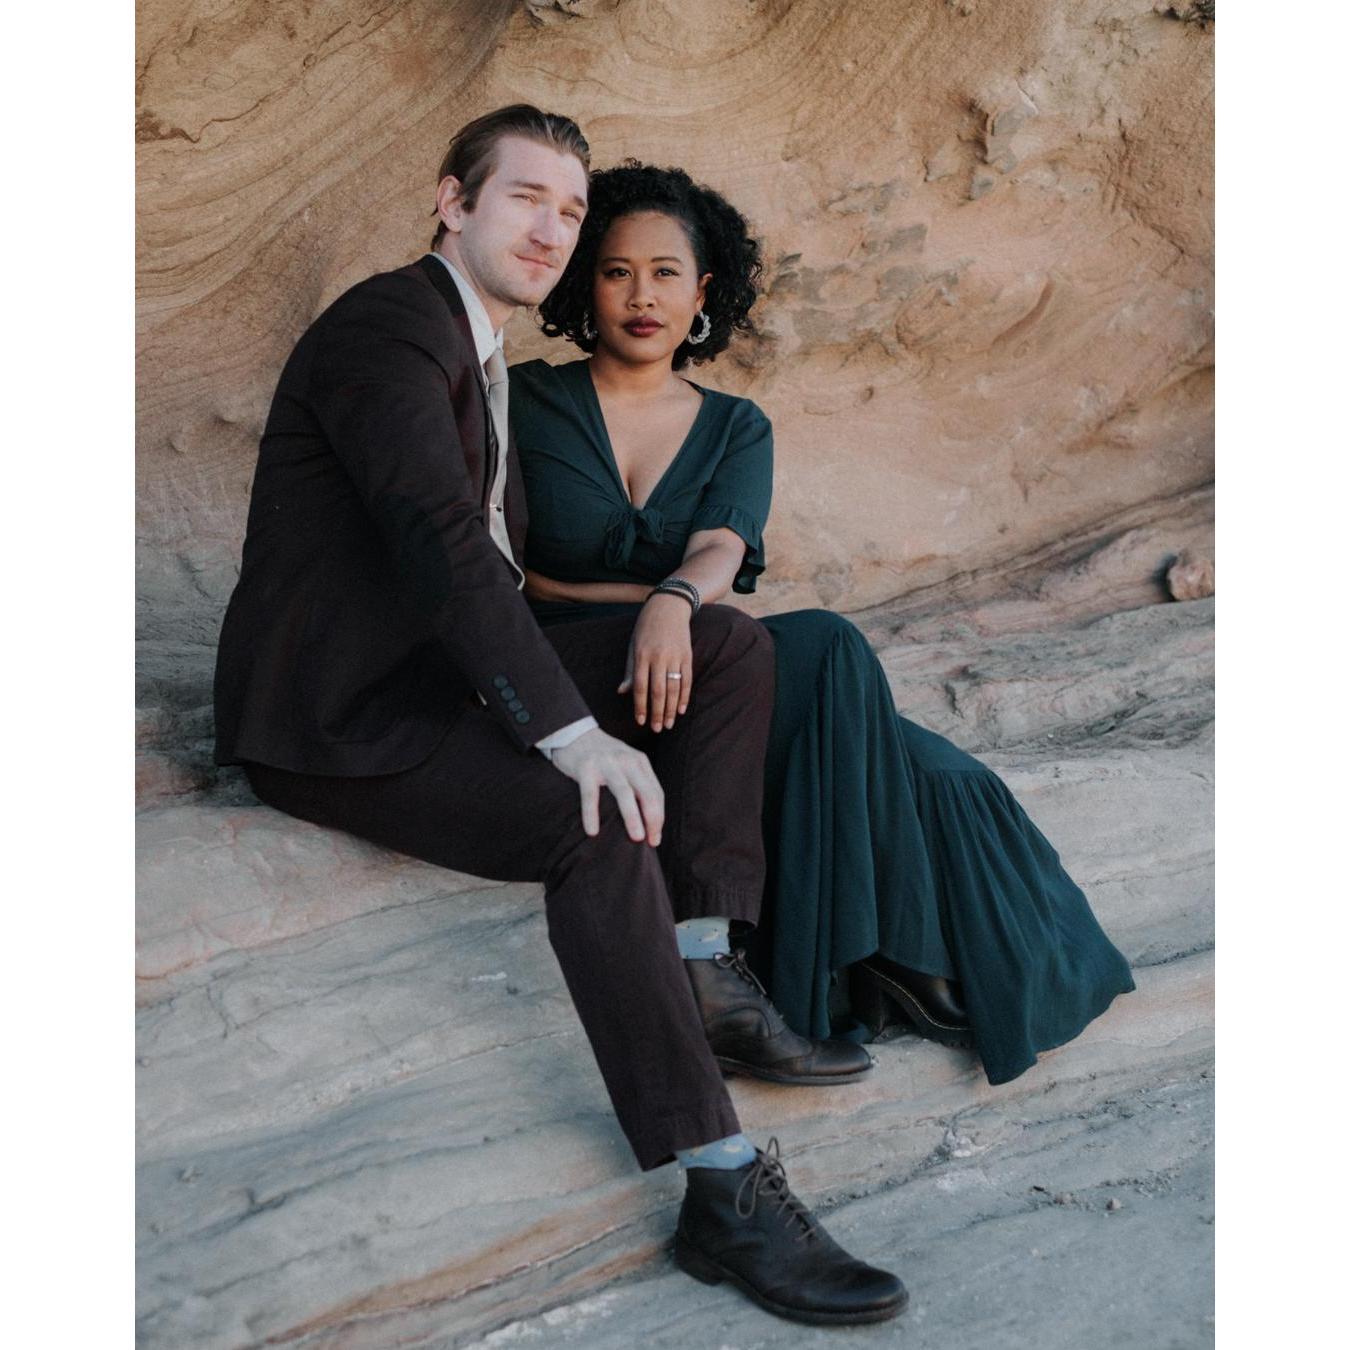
x=522, y=717
x=508, y=692
x=515, y=705
x=500, y=681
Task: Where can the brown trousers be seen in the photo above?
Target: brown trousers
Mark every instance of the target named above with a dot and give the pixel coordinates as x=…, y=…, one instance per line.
x=478, y=805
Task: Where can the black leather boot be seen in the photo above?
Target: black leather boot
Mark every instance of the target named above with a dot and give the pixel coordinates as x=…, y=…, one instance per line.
x=746, y=1226
x=748, y=1035
x=880, y=991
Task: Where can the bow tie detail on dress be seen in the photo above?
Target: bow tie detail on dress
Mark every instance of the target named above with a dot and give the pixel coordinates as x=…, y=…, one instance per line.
x=625, y=525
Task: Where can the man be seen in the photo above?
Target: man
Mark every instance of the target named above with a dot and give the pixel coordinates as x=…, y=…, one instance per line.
x=379, y=671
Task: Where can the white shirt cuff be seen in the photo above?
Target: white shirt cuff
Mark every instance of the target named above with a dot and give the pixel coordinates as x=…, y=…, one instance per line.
x=565, y=735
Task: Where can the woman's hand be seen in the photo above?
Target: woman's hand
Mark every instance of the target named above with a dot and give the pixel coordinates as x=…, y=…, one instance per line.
x=660, y=647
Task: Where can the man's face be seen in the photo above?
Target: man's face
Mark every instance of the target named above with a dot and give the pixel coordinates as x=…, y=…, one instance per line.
x=521, y=232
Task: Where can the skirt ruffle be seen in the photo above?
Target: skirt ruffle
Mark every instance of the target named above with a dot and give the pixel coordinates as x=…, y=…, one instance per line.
x=883, y=836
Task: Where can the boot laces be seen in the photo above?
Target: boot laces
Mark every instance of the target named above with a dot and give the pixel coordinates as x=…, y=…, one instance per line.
x=736, y=962
x=767, y=1178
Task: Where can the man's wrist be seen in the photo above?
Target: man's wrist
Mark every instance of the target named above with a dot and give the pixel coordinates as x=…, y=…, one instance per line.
x=564, y=736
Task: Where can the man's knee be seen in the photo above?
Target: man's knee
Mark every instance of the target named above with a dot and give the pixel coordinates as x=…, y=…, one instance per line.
x=610, y=850
x=613, y=879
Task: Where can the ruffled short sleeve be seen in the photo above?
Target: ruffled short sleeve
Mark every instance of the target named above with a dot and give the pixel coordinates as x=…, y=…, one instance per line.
x=737, y=495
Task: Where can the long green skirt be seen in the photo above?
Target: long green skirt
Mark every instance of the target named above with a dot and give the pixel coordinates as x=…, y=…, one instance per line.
x=882, y=836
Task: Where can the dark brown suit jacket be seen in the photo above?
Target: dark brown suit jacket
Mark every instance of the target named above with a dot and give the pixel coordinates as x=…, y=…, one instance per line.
x=372, y=606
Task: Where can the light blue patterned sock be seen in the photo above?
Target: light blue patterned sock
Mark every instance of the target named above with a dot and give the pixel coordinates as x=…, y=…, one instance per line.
x=702, y=939
x=733, y=1151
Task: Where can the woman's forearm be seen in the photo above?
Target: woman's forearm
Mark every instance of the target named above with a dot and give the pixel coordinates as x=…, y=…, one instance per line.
x=712, y=562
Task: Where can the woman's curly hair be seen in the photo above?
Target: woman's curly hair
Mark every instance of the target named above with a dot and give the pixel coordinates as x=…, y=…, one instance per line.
x=718, y=235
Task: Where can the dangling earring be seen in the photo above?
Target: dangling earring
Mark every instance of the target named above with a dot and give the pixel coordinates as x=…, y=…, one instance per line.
x=702, y=335
x=588, y=329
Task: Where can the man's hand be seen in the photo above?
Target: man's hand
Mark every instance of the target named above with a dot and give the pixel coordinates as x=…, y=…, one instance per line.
x=595, y=760
x=660, y=661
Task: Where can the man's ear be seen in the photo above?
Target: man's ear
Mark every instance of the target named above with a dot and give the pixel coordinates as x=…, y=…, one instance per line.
x=449, y=203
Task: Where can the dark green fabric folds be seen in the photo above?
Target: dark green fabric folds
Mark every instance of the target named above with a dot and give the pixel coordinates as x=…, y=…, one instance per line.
x=884, y=836
x=583, y=526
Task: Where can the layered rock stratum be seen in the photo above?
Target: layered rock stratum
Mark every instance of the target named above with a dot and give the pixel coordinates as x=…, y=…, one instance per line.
x=367, y=1113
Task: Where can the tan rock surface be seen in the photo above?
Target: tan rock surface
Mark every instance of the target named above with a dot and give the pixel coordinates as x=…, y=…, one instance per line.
x=997, y=1252
x=449, y=1199
x=1190, y=578
x=215, y=878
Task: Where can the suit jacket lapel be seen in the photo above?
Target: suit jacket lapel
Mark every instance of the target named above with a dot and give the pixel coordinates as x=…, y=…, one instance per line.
x=445, y=284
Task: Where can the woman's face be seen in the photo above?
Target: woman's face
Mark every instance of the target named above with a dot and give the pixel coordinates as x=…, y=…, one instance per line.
x=647, y=288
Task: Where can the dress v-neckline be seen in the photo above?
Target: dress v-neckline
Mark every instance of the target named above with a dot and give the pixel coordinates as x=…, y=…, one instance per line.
x=612, y=460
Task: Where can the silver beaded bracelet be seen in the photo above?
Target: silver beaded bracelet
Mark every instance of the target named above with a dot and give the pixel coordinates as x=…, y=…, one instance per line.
x=681, y=586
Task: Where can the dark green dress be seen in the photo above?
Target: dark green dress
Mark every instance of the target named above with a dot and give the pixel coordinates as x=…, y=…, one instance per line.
x=879, y=835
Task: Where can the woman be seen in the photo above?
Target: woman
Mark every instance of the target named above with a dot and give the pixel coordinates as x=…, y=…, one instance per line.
x=892, y=855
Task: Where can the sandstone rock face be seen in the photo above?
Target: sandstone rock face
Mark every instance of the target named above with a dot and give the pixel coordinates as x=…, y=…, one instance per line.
x=988, y=319
x=1190, y=578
